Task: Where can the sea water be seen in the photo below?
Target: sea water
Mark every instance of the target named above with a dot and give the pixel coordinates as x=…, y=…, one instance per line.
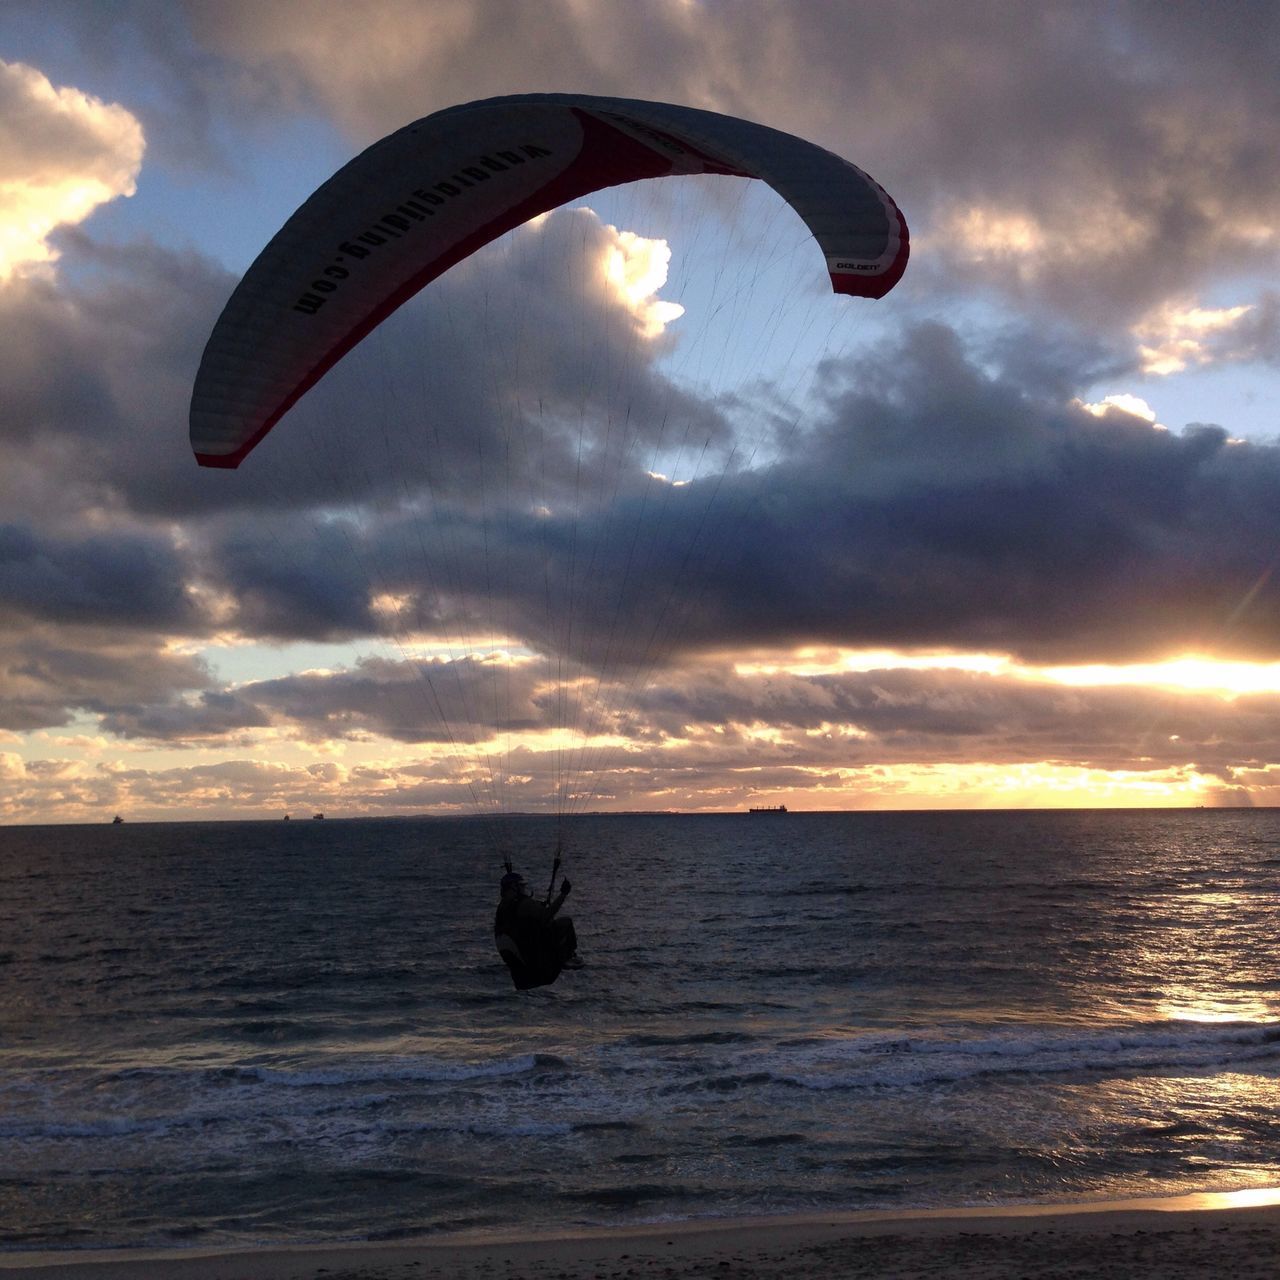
x=216, y=1034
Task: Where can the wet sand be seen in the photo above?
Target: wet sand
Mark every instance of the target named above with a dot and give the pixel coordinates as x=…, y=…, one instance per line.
x=1182, y=1237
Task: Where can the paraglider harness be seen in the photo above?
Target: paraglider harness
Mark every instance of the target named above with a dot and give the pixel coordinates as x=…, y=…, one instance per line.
x=531, y=949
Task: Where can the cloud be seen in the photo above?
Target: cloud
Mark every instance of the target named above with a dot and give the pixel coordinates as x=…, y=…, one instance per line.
x=387, y=54
x=1177, y=336
x=50, y=674
x=1098, y=164
x=438, y=700
x=125, y=581
x=1122, y=402
x=235, y=787
x=1101, y=161
x=891, y=715
x=524, y=461
x=942, y=504
x=937, y=498
x=714, y=737
x=112, y=525
x=510, y=368
x=62, y=154
x=636, y=267
x=95, y=382
x=942, y=493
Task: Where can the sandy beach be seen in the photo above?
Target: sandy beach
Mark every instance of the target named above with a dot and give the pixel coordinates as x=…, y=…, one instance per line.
x=1189, y=1236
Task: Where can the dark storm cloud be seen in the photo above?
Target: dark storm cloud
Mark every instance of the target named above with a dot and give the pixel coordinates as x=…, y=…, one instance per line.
x=90, y=593
x=49, y=674
x=126, y=580
x=95, y=384
x=290, y=580
x=51, y=378
x=937, y=489
x=934, y=502
x=944, y=494
x=609, y=583
x=937, y=503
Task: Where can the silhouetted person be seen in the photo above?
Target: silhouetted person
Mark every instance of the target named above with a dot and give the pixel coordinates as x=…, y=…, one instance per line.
x=534, y=941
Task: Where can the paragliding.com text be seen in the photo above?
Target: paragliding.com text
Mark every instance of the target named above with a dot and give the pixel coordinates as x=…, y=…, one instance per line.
x=421, y=205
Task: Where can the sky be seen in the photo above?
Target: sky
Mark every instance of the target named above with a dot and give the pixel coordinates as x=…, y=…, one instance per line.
x=629, y=510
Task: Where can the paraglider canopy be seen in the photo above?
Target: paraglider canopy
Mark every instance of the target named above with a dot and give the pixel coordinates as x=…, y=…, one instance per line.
x=514, y=483
x=432, y=193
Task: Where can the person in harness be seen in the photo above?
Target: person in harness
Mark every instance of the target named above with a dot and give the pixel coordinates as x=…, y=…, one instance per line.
x=535, y=942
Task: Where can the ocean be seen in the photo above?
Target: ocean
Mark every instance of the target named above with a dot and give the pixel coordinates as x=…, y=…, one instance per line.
x=228, y=1033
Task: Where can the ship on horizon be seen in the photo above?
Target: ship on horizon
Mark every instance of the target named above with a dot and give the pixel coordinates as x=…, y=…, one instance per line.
x=768, y=808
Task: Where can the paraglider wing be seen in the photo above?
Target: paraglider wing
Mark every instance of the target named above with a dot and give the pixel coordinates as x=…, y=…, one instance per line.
x=430, y=194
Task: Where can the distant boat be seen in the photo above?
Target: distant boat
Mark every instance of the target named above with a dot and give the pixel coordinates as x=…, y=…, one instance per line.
x=286, y=817
x=768, y=808
x=117, y=820
x=317, y=815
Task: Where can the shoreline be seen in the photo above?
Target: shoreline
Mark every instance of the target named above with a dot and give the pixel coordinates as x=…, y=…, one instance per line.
x=1195, y=1234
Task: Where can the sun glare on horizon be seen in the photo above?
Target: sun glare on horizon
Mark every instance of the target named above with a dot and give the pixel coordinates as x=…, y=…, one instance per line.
x=1197, y=673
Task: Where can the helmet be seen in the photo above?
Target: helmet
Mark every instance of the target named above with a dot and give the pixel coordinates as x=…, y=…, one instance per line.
x=512, y=880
